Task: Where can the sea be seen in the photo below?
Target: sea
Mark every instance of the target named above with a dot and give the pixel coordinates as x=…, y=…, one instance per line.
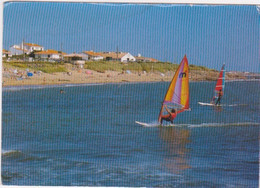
x=87, y=136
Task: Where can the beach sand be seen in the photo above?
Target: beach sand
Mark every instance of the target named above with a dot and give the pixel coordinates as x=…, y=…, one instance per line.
x=16, y=77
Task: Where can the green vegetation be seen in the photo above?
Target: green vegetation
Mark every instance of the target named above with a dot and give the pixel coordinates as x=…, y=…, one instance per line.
x=46, y=67
x=101, y=66
x=200, y=68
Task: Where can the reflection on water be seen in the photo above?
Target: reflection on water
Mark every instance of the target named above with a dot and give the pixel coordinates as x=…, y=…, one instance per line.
x=176, y=142
x=218, y=109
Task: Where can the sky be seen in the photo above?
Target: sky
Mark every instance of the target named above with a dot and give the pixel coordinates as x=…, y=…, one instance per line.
x=209, y=35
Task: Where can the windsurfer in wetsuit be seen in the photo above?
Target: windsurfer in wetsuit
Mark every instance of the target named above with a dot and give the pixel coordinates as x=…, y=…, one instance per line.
x=170, y=116
x=219, y=97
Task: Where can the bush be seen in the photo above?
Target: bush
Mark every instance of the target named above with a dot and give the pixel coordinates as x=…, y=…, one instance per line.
x=46, y=67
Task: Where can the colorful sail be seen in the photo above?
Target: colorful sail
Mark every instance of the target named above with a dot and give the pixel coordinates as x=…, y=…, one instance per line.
x=177, y=95
x=220, y=83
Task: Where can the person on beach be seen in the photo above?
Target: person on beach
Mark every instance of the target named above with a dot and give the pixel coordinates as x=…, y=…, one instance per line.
x=170, y=116
x=219, y=97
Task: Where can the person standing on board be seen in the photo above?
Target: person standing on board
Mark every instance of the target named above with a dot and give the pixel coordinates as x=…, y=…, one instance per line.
x=219, y=97
x=170, y=116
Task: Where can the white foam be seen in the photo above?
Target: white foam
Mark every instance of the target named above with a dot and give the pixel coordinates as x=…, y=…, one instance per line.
x=26, y=87
x=212, y=124
x=8, y=152
x=223, y=124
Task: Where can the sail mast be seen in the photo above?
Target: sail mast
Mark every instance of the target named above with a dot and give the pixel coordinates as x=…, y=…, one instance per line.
x=178, y=91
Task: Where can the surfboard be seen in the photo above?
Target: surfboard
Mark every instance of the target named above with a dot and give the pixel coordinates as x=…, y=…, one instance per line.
x=206, y=104
x=212, y=104
x=147, y=124
x=141, y=123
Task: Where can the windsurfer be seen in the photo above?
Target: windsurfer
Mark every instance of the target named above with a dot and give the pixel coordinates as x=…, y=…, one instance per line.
x=220, y=93
x=177, y=95
x=170, y=116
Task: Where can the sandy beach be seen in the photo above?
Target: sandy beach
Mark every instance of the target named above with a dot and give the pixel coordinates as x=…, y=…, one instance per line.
x=18, y=77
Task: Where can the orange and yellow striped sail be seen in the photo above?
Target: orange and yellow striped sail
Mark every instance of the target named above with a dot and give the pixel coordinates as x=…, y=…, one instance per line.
x=177, y=94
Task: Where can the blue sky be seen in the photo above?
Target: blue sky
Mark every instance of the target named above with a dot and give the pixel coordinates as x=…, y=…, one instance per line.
x=208, y=35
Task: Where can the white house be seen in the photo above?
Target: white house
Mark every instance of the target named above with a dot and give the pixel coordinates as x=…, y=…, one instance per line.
x=118, y=56
x=127, y=57
x=25, y=48
x=17, y=50
x=30, y=47
x=49, y=54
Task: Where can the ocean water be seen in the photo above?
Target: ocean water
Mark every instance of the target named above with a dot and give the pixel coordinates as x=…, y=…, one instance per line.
x=87, y=136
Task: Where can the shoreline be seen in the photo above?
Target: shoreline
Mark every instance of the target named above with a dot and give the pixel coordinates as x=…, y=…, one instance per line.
x=13, y=77
x=25, y=87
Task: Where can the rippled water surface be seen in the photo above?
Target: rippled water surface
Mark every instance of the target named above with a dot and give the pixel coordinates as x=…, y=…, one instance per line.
x=88, y=136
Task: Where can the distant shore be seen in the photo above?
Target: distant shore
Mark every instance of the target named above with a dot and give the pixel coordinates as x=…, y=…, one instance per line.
x=93, y=77
x=15, y=76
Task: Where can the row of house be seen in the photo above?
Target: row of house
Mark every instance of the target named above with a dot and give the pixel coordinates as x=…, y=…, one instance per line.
x=37, y=52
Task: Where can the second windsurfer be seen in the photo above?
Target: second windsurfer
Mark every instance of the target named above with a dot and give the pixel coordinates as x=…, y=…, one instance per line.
x=219, y=97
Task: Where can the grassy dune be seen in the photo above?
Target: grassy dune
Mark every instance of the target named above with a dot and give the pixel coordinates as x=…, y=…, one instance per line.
x=100, y=66
x=45, y=67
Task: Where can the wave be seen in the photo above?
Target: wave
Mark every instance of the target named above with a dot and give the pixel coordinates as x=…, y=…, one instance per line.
x=221, y=105
x=11, y=153
x=7, y=175
x=223, y=124
x=26, y=87
x=20, y=156
x=155, y=124
x=243, y=80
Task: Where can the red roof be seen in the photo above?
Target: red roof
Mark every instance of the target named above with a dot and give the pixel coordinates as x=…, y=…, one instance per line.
x=91, y=53
x=31, y=44
x=113, y=55
x=6, y=52
x=146, y=59
x=48, y=52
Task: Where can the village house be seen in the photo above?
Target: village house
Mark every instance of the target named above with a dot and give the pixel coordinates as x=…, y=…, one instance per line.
x=49, y=55
x=76, y=59
x=6, y=53
x=117, y=56
x=90, y=55
x=72, y=57
x=17, y=50
x=25, y=48
x=30, y=47
x=140, y=58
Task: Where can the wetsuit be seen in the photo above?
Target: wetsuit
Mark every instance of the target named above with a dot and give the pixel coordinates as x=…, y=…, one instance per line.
x=219, y=97
x=168, y=117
